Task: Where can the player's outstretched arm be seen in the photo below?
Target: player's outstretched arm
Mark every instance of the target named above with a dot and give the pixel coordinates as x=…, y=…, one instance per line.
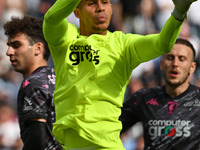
x=55, y=23
x=181, y=8
x=154, y=45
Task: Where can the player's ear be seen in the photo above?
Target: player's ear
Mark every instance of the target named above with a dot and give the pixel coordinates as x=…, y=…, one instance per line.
x=77, y=12
x=161, y=65
x=193, y=67
x=38, y=48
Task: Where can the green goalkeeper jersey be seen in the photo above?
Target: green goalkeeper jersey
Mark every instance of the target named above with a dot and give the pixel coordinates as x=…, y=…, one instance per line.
x=92, y=73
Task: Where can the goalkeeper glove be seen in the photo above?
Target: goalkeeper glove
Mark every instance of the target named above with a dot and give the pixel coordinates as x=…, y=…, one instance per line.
x=181, y=8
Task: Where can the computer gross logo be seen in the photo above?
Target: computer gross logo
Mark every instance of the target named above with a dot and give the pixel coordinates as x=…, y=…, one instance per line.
x=80, y=53
x=170, y=128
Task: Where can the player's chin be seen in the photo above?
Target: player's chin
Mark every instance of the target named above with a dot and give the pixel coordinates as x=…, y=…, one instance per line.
x=174, y=82
x=102, y=28
x=18, y=68
x=102, y=25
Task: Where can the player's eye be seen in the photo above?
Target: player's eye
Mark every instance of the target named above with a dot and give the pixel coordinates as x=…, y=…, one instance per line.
x=14, y=45
x=182, y=58
x=91, y=3
x=169, y=57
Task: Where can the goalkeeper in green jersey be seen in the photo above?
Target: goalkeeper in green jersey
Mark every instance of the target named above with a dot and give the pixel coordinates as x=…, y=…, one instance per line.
x=93, y=67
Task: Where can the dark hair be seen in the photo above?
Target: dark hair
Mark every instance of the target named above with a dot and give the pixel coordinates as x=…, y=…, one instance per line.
x=30, y=26
x=187, y=43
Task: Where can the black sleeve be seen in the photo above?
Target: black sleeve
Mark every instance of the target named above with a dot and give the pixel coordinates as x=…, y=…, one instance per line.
x=36, y=139
x=33, y=102
x=130, y=112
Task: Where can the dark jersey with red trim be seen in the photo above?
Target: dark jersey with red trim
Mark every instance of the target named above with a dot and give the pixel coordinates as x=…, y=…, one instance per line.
x=35, y=100
x=169, y=123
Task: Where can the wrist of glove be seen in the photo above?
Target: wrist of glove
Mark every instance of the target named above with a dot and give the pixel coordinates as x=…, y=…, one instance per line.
x=179, y=15
x=181, y=8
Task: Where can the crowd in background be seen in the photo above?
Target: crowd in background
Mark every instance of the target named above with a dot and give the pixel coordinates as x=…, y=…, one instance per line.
x=131, y=16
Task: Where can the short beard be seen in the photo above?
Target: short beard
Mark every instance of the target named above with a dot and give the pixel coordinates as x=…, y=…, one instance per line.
x=178, y=83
